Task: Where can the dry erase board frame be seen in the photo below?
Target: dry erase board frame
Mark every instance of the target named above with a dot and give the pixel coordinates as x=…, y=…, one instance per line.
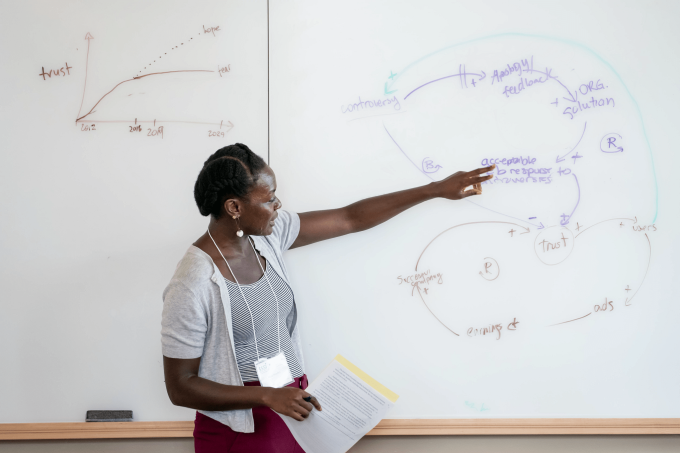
x=394, y=427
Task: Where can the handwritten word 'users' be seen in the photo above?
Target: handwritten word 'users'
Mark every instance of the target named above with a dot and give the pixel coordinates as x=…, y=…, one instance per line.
x=365, y=105
x=492, y=330
x=63, y=71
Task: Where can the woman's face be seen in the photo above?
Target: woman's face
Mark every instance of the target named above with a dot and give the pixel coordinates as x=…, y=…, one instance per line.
x=261, y=204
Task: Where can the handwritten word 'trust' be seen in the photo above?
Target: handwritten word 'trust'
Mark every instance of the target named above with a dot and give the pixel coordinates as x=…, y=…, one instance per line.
x=63, y=72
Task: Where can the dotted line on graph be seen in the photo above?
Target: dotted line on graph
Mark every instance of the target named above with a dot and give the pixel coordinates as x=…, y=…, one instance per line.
x=161, y=56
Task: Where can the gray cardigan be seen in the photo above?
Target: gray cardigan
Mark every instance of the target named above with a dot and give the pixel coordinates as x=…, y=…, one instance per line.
x=196, y=318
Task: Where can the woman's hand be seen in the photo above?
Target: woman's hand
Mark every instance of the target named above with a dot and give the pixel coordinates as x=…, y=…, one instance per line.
x=289, y=401
x=463, y=184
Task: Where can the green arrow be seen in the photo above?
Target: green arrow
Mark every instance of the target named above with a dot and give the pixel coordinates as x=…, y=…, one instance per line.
x=388, y=92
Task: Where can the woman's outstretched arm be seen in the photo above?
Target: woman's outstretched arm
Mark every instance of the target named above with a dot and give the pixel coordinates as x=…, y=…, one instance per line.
x=318, y=226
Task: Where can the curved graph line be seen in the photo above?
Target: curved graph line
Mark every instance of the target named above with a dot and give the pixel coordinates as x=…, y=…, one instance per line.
x=649, y=261
x=570, y=43
x=460, y=74
x=435, y=316
x=561, y=158
x=402, y=151
x=463, y=224
x=571, y=320
x=608, y=220
x=137, y=78
x=566, y=221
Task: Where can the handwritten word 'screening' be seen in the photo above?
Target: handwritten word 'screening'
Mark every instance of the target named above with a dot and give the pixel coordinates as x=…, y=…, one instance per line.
x=366, y=105
x=421, y=281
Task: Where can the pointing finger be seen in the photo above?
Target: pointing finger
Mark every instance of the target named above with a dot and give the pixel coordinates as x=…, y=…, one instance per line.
x=479, y=171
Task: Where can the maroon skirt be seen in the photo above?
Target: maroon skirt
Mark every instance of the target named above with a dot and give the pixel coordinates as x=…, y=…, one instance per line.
x=271, y=433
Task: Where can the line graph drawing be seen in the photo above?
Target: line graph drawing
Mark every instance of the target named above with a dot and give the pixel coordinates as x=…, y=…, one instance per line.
x=133, y=79
x=86, y=113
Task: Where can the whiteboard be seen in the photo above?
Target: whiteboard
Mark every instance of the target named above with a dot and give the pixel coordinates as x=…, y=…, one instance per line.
x=97, y=212
x=97, y=203
x=552, y=294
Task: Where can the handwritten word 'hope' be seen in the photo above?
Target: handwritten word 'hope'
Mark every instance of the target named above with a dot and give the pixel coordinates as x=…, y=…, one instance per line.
x=211, y=29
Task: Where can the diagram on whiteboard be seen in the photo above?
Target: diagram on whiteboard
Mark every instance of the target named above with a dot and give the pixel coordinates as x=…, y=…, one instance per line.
x=180, y=82
x=574, y=188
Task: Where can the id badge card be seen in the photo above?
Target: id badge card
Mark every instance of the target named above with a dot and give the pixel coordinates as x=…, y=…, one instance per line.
x=274, y=371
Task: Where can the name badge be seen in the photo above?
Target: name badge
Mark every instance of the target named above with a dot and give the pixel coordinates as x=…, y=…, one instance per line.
x=274, y=371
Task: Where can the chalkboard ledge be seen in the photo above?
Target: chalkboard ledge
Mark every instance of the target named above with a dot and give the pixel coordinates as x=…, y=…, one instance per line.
x=390, y=427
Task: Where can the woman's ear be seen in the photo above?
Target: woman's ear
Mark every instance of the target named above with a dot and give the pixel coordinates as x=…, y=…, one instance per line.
x=232, y=207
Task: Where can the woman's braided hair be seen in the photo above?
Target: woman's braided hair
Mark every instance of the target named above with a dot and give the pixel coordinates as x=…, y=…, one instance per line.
x=229, y=172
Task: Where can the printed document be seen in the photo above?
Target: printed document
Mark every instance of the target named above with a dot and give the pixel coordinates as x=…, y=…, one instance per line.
x=352, y=404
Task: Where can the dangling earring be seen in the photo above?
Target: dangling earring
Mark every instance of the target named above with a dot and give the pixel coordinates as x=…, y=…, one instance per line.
x=239, y=232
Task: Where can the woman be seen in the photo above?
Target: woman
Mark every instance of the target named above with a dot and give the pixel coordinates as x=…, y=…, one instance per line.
x=229, y=308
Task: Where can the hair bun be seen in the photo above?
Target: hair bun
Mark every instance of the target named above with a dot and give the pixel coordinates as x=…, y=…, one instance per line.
x=230, y=171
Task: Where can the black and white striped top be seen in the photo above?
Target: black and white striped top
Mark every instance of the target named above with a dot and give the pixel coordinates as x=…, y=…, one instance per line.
x=263, y=305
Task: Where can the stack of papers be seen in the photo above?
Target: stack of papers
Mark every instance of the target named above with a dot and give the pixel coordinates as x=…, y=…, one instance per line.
x=352, y=404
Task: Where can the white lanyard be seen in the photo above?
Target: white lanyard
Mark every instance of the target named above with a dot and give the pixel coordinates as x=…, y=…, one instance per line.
x=252, y=321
